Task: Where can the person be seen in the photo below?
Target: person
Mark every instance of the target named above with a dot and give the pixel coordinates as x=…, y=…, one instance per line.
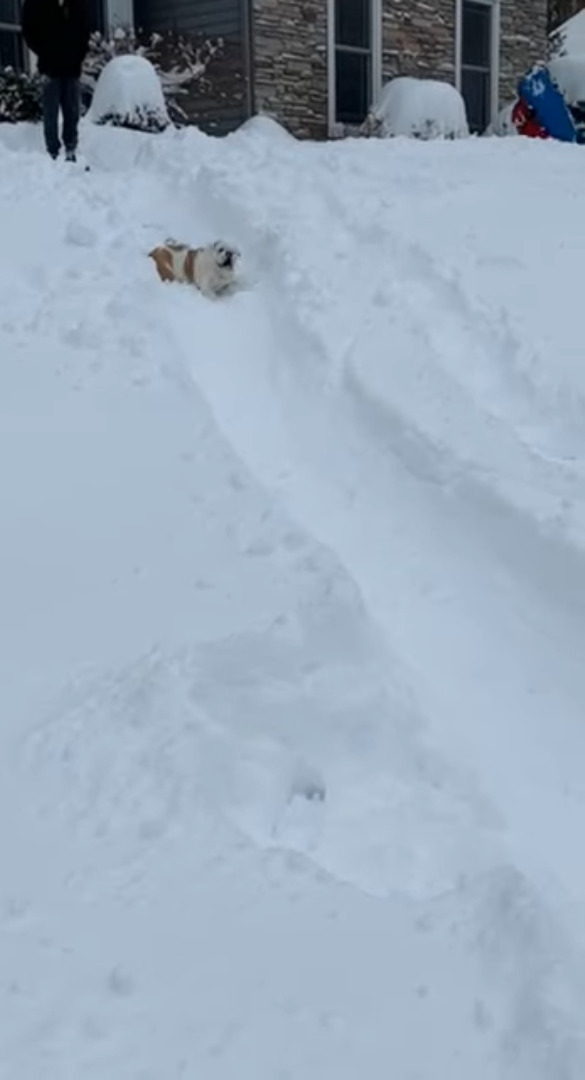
x=58, y=32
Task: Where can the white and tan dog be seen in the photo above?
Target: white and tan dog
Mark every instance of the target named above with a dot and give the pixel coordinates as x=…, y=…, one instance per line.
x=210, y=269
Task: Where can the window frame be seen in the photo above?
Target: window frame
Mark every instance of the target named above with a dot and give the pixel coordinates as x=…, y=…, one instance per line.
x=495, y=43
x=337, y=127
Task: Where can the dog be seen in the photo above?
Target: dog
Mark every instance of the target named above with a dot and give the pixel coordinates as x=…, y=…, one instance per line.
x=211, y=269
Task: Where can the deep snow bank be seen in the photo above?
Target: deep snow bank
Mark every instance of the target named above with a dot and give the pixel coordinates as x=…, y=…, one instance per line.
x=296, y=784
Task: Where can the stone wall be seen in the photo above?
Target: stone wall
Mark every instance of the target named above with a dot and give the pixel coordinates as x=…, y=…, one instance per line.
x=418, y=38
x=290, y=60
x=523, y=33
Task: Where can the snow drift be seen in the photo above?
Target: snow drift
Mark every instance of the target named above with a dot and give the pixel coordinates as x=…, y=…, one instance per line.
x=291, y=662
x=567, y=63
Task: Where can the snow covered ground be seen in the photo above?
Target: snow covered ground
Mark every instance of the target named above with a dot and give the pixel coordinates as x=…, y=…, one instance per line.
x=293, y=597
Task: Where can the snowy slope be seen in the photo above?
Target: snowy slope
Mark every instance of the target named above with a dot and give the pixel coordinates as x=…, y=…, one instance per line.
x=291, y=760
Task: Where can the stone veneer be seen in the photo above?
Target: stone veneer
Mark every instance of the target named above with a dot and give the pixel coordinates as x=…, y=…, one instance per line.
x=290, y=64
x=523, y=41
x=418, y=38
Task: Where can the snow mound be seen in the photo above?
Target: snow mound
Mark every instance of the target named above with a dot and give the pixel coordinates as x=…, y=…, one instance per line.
x=502, y=124
x=569, y=38
x=129, y=94
x=420, y=109
x=569, y=74
x=567, y=63
x=266, y=128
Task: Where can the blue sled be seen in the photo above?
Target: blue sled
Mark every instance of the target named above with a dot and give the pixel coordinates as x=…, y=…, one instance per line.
x=539, y=91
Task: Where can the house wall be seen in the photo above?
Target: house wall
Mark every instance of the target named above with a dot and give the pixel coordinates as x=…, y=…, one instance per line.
x=524, y=41
x=290, y=63
x=418, y=38
x=220, y=100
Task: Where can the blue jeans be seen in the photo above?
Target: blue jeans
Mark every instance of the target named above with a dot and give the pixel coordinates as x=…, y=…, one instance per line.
x=61, y=94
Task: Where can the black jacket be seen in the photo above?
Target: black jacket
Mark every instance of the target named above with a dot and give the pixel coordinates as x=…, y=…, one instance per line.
x=58, y=32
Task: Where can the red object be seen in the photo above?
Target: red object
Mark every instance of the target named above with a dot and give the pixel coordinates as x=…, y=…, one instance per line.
x=525, y=122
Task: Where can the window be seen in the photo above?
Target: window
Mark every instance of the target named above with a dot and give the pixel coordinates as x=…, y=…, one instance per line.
x=97, y=15
x=11, y=44
x=477, y=61
x=355, y=42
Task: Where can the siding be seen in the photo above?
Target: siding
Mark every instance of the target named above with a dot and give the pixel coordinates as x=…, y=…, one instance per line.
x=219, y=103
x=212, y=18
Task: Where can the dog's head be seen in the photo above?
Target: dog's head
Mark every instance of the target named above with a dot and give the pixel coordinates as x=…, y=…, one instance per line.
x=226, y=255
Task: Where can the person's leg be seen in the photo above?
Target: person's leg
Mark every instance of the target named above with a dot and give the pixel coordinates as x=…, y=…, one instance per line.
x=70, y=107
x=51, y=97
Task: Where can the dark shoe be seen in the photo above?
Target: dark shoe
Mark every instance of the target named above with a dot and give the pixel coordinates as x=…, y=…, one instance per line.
x=70, y=155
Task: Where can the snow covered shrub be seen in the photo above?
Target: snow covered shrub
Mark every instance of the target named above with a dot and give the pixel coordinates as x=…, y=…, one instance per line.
x=20, y=97
x=128, y=94
x=180, y=62
x=418, y=109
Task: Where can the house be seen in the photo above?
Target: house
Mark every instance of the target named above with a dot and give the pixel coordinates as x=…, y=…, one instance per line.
x=316, y=65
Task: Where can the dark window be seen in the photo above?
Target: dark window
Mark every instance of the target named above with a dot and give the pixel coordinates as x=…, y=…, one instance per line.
x=352, y=23
x=96, y=15
x=10, y=12
x=11, y=50
x=353, y=60
x=476, y=63
x=352, y=86
x=11, y=46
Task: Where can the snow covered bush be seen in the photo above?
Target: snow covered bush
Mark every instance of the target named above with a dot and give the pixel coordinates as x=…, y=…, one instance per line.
x=262, y=126
x=419, y=109
x=180, y=62
x=128, y=94
x=20, y=97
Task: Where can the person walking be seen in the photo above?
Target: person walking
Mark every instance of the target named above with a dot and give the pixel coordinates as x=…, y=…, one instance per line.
x=58, y=32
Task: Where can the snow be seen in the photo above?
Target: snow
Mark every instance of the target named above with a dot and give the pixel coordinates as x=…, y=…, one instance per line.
x=502, y=124
x=420, y=108
x=263, y=126
x=567, y=63
x=569, y=74
x=128, y=92
x=569, y=37
x=291, y=777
